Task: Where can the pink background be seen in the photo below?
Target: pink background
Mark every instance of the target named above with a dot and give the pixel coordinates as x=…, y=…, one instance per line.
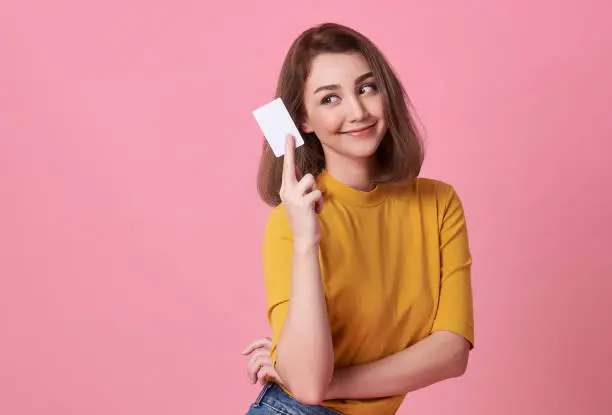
x=130, y=226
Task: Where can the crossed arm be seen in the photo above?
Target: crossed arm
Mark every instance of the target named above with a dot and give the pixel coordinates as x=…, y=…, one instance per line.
x=441, y=355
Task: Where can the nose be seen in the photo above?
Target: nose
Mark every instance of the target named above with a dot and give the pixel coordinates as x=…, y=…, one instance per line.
x=356, y=111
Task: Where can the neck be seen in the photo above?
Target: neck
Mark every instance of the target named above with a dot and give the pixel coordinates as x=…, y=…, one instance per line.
x=353, y=173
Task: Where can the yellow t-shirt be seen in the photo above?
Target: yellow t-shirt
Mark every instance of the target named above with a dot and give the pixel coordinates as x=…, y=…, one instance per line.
x=395, y=264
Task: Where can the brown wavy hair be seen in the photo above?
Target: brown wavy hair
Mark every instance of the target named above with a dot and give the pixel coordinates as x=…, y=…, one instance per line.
x=400, y=154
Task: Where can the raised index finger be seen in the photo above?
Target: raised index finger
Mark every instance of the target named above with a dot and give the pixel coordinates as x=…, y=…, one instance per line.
x=289, y=160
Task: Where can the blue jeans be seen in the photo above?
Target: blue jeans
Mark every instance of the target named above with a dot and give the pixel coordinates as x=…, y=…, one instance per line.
x=273, y=400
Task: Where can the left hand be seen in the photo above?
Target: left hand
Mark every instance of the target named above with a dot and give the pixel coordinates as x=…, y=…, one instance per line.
x=260, y=367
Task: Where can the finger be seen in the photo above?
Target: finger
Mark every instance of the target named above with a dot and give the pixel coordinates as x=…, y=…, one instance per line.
x=252, y=371
x=307, y=183
x=268, y=372
x=259, y=371
x=274, y=374
x=261, y=376
x=259, y=355
x=289, y=160
x=314, y=197
x=257, y=360
x=258, y=343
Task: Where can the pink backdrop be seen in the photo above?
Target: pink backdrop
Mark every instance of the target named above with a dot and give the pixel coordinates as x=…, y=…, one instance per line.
x=130, y=226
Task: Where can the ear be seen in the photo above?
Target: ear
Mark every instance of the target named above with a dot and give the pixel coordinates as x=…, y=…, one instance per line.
x=306, y=127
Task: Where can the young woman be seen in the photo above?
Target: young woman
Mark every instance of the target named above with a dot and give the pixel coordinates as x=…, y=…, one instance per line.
x=366, y=265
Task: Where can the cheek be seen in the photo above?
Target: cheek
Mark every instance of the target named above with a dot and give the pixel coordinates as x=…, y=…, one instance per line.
x=376, y=107
x=328, y=122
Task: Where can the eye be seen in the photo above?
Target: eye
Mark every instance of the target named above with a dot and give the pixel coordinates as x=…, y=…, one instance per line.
x=329, y=99
x=368, y=88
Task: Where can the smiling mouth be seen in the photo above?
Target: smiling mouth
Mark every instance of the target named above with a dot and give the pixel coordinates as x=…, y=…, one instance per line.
x=359, y=130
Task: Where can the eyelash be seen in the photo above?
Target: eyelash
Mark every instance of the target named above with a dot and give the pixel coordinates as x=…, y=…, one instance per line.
x=325, y=100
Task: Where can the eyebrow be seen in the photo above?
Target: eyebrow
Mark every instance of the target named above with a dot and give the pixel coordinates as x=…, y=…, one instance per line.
x=333, y=87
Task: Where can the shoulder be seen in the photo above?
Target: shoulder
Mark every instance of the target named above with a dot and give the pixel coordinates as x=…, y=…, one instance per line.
x=429, y=189
x=431, y=194
x=432, y=187
x=447, y=203
x=277, y=223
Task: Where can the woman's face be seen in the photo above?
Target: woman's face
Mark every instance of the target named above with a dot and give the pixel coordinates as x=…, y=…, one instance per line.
x=343, y=106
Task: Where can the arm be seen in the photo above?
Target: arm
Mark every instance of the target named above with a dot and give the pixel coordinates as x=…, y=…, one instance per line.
x=302, y=344
x=440, y=356
x=305, y=355
x=444, y=353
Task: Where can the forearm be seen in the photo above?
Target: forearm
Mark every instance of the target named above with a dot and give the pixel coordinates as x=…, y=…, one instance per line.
x=439, y=356
x=305, y=354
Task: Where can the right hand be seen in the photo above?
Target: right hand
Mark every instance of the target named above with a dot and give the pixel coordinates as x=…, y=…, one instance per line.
x=301, y=198
x=260, y=367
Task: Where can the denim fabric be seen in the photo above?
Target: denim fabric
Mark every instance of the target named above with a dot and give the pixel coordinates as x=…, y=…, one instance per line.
x=273, y=400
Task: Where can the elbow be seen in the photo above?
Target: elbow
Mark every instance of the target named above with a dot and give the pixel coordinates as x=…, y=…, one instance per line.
x=456, y=352
x=309, y=396
x=459, y=363
x=308, y=390
x=307, y=383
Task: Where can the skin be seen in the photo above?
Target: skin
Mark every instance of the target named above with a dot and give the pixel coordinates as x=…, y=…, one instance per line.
x=341, y=99
x=305, y=354
x=341, y=96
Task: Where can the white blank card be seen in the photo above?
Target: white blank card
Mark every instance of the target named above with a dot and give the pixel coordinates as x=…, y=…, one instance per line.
x=275, y=123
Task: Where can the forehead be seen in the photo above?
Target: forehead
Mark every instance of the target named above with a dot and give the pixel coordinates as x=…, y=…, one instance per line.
x=336, y=68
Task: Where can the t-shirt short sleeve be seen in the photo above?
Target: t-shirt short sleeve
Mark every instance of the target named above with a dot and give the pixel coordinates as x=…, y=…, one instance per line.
x=277, y=251
x=455, y=309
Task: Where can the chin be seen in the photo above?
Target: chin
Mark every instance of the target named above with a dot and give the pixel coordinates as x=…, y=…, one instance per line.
x=361, y=148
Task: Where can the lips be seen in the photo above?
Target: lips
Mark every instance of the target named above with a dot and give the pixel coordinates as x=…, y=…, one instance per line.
x=360, y=131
